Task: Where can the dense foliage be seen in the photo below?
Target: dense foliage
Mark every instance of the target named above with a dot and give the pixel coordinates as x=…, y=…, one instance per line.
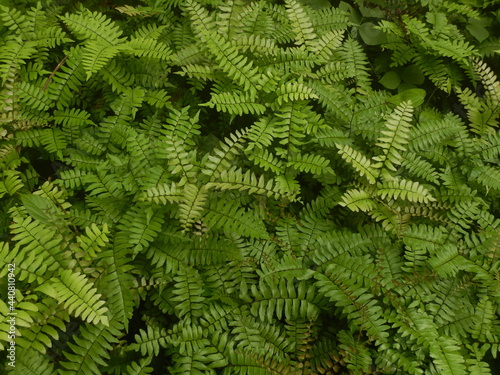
x=250, y=187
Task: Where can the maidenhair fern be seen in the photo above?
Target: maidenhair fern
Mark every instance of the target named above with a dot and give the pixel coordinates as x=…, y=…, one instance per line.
x=250, y=187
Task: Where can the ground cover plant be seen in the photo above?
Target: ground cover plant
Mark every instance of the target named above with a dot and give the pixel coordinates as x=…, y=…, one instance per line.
x=250, y=187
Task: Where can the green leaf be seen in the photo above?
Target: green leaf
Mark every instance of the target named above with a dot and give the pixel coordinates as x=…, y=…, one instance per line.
x=416, y=96
x=390, y=80
x=372, y=35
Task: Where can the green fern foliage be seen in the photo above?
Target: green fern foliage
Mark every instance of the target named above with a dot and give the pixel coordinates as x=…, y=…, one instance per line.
x=249, y=187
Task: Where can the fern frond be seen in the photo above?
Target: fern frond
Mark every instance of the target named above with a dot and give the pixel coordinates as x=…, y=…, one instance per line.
x=142, y=226
x=419, y=167
x=266, y=160
x=93, y=241
x=294, y=91
x=330, y=19
x=310, y=163
x=447, y=356
x=486, y=175
x=188, y=292
x=15, y=21
x=221, y=157
x=362, y=314
x=235, y=65
x=75, y=292
x=91, y=348
x=193, y=202
x=96, y=56
x=404, y=189
x=149, y=342
x=94, y=26
x=283, y=300
x=14, y=54
x=327, y=44
x=395, y=138
x=301, y=24
x=235, y=179
x=147, y=47
x=359, y=162
x=32, y=362
x=33, y=97
x=233, y=218
x=358, y=200
x=236, y=103
x=356, y=63
x=161, y=194
x=10, y=183
x=37, y=239
x=261, y=133
x=68, y=79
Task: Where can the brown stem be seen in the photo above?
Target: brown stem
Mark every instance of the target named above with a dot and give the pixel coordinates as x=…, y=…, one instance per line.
x=53, y=73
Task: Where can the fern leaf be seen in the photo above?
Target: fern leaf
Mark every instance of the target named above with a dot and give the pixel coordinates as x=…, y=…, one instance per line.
x=32, y=362
x=404, y=189
x=94, y=26
x=283, y=300
x=11, y=183
x=14, y=52
x=301, y=24
x=447, y=357
x=193, y=202
x=231, y=217
x=358, y=200
x=291, y=91
x=34, y=97
x=359, y=162
x=221, y=157
x=235, y=65
x=96, y=56
x=75, y=292
x=265, y=160
x=236, y=103
x=234, y=178
x=396, y=137
x=91, y=349
x=94, y=240
x=310, y=163
x=150, y=341
x=147, y=47
x=188, y=293
x=161, y=194
x=486, y=175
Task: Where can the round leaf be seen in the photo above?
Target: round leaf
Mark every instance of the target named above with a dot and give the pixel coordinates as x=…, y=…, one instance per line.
x=371, y=35
x=390, y=80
